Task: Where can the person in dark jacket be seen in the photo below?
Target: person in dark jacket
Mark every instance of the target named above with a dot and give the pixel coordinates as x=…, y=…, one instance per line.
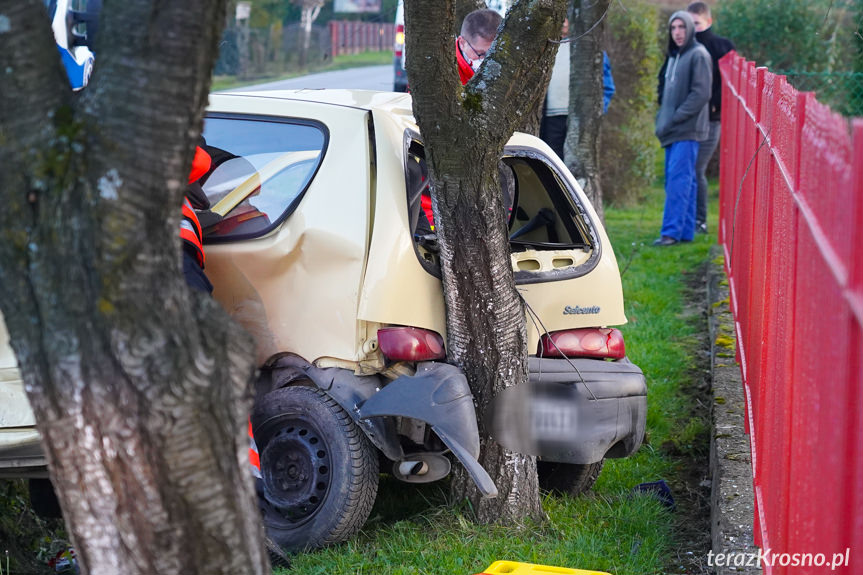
x=190, y=227
x=717, y=47
x=681, y=123
x=473, y=43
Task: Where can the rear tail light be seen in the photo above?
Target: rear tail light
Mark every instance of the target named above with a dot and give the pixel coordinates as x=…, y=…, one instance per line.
x=400, y=40
x=410, y=344
x=587, y=342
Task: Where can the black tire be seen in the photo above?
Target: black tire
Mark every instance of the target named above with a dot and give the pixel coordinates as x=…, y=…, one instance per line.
x=567, y=478
x=320, y=472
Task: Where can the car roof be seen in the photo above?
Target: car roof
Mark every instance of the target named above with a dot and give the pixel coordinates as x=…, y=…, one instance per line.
x=397, y=105
x=360, y=99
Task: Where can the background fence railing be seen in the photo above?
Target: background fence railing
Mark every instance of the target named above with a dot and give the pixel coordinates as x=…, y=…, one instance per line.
x=791, y=223
x=252, y=53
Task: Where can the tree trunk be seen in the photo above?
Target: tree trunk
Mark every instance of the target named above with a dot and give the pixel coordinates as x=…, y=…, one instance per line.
x=581, y=149
x=462, y=9
x=464, y=130
x=139, y=386
x=308, y=15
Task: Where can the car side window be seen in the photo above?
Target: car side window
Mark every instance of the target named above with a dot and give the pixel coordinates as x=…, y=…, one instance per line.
x=261, y=169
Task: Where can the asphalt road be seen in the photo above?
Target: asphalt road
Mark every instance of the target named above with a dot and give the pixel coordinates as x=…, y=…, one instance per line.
x=363, y=78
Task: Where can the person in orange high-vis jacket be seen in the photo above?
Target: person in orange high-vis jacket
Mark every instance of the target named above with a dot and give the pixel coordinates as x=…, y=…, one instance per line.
x=194, y=258
x=190, y=227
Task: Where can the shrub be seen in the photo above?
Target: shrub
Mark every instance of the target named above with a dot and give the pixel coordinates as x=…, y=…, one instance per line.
x=628, y=147
x=801, y=35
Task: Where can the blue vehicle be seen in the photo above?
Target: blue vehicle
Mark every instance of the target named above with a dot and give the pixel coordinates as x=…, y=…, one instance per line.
x=74, y=24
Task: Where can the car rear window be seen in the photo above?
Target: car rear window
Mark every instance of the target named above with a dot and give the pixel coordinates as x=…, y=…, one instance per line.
x=261, y=169
x=544, y=216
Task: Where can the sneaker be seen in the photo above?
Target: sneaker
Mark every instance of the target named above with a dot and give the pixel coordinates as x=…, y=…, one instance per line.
x=701, y=228
x=664, y=241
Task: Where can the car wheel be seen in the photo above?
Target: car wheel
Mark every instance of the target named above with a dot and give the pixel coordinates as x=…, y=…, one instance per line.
x=319, y=471
x=567, y=478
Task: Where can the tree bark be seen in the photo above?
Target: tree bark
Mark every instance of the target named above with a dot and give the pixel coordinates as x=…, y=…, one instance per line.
x=308, y=15
x=464, y=131
x=581, y=148
x=463, y=8
x=139, y=386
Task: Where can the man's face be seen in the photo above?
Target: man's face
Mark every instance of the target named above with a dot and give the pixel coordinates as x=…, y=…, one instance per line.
x=702, y=21
x=474, y=49
x=678, y=31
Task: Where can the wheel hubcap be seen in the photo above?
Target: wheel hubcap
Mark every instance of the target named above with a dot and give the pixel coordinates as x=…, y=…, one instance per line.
x=295, y=466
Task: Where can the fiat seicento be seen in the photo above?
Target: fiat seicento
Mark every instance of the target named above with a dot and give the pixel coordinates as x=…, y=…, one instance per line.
x=320, y=241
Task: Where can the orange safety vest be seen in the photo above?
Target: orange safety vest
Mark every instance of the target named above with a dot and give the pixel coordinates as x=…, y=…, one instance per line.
x=190, y=231
x=254, y=456
x=190, y=227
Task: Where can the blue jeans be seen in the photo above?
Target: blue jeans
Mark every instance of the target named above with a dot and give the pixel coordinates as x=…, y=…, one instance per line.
x=705, y=152
x=681, y=190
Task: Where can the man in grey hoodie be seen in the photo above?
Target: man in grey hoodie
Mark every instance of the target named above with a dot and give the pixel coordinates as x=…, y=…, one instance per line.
x=682, y=121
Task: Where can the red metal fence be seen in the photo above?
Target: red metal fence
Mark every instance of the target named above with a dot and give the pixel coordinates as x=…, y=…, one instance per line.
x=791, y=223
x=349, y=37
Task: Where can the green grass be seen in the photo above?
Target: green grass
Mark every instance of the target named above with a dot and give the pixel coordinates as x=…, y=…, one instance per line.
x=412, y=531
x=341, y=62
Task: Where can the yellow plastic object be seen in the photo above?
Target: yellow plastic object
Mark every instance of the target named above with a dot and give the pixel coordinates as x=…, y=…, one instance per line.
x=516, y=568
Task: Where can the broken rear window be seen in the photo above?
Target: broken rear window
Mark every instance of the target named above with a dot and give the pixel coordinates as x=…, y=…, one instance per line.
x=551, y=236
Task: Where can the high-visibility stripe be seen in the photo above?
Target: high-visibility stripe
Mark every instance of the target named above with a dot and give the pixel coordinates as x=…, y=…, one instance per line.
x=254, y=457
x=426, y=205
x=190, y=231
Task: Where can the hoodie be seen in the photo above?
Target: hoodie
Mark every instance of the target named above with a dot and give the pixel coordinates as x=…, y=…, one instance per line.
x=717, y=47
x=685, y=84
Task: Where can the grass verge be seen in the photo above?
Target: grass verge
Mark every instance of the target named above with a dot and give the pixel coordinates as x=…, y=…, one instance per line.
x=341, y=62
x=412, y=531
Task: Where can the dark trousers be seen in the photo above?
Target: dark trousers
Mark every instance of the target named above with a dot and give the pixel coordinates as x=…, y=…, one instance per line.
x=552, y=131
x=705, y=152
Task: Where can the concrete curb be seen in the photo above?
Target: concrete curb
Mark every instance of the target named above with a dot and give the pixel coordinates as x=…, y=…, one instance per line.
x=731, y=501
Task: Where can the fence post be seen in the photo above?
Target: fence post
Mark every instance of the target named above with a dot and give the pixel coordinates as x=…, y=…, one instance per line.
x=855, y=287
x=856, y=282
x=334, y=38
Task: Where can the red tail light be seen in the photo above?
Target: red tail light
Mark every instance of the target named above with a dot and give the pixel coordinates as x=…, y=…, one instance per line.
x=587, y=342
x=400, y=40
x=410, y=344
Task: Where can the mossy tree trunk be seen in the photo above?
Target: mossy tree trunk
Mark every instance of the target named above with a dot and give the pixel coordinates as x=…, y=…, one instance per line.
x=581, y=148
x=139, y=386
x=464, y=130
x=463, y=8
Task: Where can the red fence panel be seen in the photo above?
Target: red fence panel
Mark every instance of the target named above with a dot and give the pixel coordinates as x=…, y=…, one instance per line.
x=791, y=223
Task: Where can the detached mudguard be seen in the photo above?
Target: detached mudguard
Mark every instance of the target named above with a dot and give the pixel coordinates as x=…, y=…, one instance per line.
x=438, y=394
x=573, y=411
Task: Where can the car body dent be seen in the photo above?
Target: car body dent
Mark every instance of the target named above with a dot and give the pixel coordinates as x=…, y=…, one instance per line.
x=316, y=255
x=397, y=289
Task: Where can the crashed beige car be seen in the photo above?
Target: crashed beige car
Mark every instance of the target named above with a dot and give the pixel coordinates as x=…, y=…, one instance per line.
x=320, y=242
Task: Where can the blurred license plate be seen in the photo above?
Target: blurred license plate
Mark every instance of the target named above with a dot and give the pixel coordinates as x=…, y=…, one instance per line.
x=552, y=420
